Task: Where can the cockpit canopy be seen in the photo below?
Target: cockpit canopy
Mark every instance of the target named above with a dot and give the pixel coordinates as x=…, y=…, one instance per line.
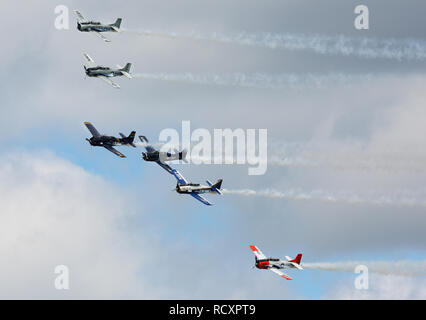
x=90, y=22
x=98, y=68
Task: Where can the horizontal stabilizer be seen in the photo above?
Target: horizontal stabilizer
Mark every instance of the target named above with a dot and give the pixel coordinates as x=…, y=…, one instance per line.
x=143, y=139
x=297, y=266
x=215, y=187
x=126, y=74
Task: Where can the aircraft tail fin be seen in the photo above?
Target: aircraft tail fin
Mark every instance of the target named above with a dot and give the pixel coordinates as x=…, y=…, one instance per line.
x=126, y=70
x=131, y=136
x=127, y=67
x=117, y=23
x=129, y=139
x=143, y=139
x=215, y=187
x=297, y=259
x=182, y=155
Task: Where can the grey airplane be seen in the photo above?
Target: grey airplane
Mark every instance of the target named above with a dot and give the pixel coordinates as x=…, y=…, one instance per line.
x=84, y=25
x=154, y=155
x=108, y=142
x=105, y=73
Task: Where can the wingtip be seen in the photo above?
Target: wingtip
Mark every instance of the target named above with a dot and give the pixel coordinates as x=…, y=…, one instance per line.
x=253, y=248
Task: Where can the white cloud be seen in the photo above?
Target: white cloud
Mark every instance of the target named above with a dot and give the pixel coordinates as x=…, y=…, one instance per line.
x=382, y=288
x=52, y=213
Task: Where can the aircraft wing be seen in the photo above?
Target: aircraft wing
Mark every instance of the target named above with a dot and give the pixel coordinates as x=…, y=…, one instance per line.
x=178, y=176
x=165, y=167
x=280, y=273
x=259, y=254
x=100, y=35
x=200, y=198
x=89, y=59
x=109, y=81
x=79, y=16
x=118, y=153
x=148, y=148
x=92, y=129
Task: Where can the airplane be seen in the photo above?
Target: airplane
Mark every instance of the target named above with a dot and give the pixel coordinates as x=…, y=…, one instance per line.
x=105, y=73
x=195, y=189
x=275, y=264
x=157, y=156
x=97, y=27
x=108, y=142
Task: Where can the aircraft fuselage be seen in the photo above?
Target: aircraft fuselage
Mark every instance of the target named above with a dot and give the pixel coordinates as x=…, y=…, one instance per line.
x=192, y=187
x=105, y=141
x=94, y=26
x=273, y=263
x=103, y=71
x=161, y=156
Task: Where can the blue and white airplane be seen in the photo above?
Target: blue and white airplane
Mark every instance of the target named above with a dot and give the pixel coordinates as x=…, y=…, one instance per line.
x=195, y=189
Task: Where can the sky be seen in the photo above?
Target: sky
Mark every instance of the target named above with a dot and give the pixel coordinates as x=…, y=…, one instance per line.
x=346, y=156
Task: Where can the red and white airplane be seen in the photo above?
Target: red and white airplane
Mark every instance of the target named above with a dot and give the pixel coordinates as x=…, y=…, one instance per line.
x=275, y=264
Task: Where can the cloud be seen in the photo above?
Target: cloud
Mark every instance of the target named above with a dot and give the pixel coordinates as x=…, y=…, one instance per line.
x=382, y=288
x=55, y=213
x=398, y=268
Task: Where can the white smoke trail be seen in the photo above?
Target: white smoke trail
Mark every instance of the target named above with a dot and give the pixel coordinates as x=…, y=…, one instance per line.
x=371, y=48
x=404, y=199
x=156, y=145
x=348, y=156
x=398, y=268
x=259, y=80
x=388, y=166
